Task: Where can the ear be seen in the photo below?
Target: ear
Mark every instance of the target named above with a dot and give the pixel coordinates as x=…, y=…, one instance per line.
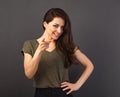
x=45, y=24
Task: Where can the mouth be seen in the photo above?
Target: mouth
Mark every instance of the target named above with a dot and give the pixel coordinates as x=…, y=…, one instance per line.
x=56, y=34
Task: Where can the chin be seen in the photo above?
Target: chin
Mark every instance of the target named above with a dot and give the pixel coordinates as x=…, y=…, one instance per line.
x=55, y=38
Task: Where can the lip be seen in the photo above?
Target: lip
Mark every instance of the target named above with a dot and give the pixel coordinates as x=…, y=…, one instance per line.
x=56, y=34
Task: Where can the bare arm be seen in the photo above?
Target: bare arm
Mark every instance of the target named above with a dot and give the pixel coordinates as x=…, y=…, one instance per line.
x=88, y=68
x=31, y=63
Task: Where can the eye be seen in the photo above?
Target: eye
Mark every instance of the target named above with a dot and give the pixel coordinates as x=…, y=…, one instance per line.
x=56, y=26
x=62, y=27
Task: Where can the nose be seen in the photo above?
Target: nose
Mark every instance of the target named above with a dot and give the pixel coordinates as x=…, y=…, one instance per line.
x=60, y=30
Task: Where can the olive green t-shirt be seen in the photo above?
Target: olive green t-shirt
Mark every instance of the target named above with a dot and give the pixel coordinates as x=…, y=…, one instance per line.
x=51, y=71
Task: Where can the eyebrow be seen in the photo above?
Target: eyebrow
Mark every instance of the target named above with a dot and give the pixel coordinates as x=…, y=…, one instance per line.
x=58, y=24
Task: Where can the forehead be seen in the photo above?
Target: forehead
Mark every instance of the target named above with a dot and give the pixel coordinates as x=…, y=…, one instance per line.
x=58, y=20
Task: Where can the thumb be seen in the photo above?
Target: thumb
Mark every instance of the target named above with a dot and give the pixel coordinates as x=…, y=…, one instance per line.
x=43, y=40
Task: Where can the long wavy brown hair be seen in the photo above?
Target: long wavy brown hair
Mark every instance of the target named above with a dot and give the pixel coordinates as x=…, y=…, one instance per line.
x=65, y=42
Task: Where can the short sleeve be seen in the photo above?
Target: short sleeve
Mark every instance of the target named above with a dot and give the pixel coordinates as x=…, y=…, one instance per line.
x=27, y=48
x=76, y=48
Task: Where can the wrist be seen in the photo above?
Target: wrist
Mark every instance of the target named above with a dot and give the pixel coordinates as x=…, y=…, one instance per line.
x=78, y=84
x=38, y=51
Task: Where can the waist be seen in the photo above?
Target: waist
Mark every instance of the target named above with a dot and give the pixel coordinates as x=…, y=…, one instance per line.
x=51, y=92
x=49, y=89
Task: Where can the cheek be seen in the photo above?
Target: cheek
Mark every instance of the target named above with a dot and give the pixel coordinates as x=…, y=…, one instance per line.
x=51, y=28
x=61, y=33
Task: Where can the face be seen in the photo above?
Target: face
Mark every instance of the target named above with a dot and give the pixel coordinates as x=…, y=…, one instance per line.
x=54, y=29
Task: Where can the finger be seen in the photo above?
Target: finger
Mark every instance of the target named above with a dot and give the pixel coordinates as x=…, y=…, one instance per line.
x=69, y=92
x=43, y=39
x=47, y=42
x=43, y=47
x=64, y=83
x=44, y=43
x=64, y=89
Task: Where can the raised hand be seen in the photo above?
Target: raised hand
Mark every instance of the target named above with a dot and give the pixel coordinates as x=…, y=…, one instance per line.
x=43, y=45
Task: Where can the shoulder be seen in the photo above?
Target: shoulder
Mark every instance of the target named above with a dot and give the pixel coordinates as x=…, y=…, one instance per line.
x=76, y=48
x=32, y=41
x=29, y=46
x=77, y=51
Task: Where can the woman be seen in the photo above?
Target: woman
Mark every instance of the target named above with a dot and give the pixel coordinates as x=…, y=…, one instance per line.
x=48, y=58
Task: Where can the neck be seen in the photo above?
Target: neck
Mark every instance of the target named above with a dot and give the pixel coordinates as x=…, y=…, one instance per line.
x=47, y=37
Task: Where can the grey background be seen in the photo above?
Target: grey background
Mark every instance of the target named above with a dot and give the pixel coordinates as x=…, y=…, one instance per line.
x=96, y=29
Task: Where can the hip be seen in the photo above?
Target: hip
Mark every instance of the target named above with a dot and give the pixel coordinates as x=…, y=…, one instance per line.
x=51, y=92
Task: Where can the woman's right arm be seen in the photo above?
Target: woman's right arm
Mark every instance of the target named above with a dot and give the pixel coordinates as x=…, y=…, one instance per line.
x=31, y=63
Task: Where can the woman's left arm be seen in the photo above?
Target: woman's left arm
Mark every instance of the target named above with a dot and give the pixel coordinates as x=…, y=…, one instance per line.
x=88, y=68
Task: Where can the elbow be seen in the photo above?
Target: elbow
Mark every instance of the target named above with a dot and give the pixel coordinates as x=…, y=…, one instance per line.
x=91, y=68
x=29, y=76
